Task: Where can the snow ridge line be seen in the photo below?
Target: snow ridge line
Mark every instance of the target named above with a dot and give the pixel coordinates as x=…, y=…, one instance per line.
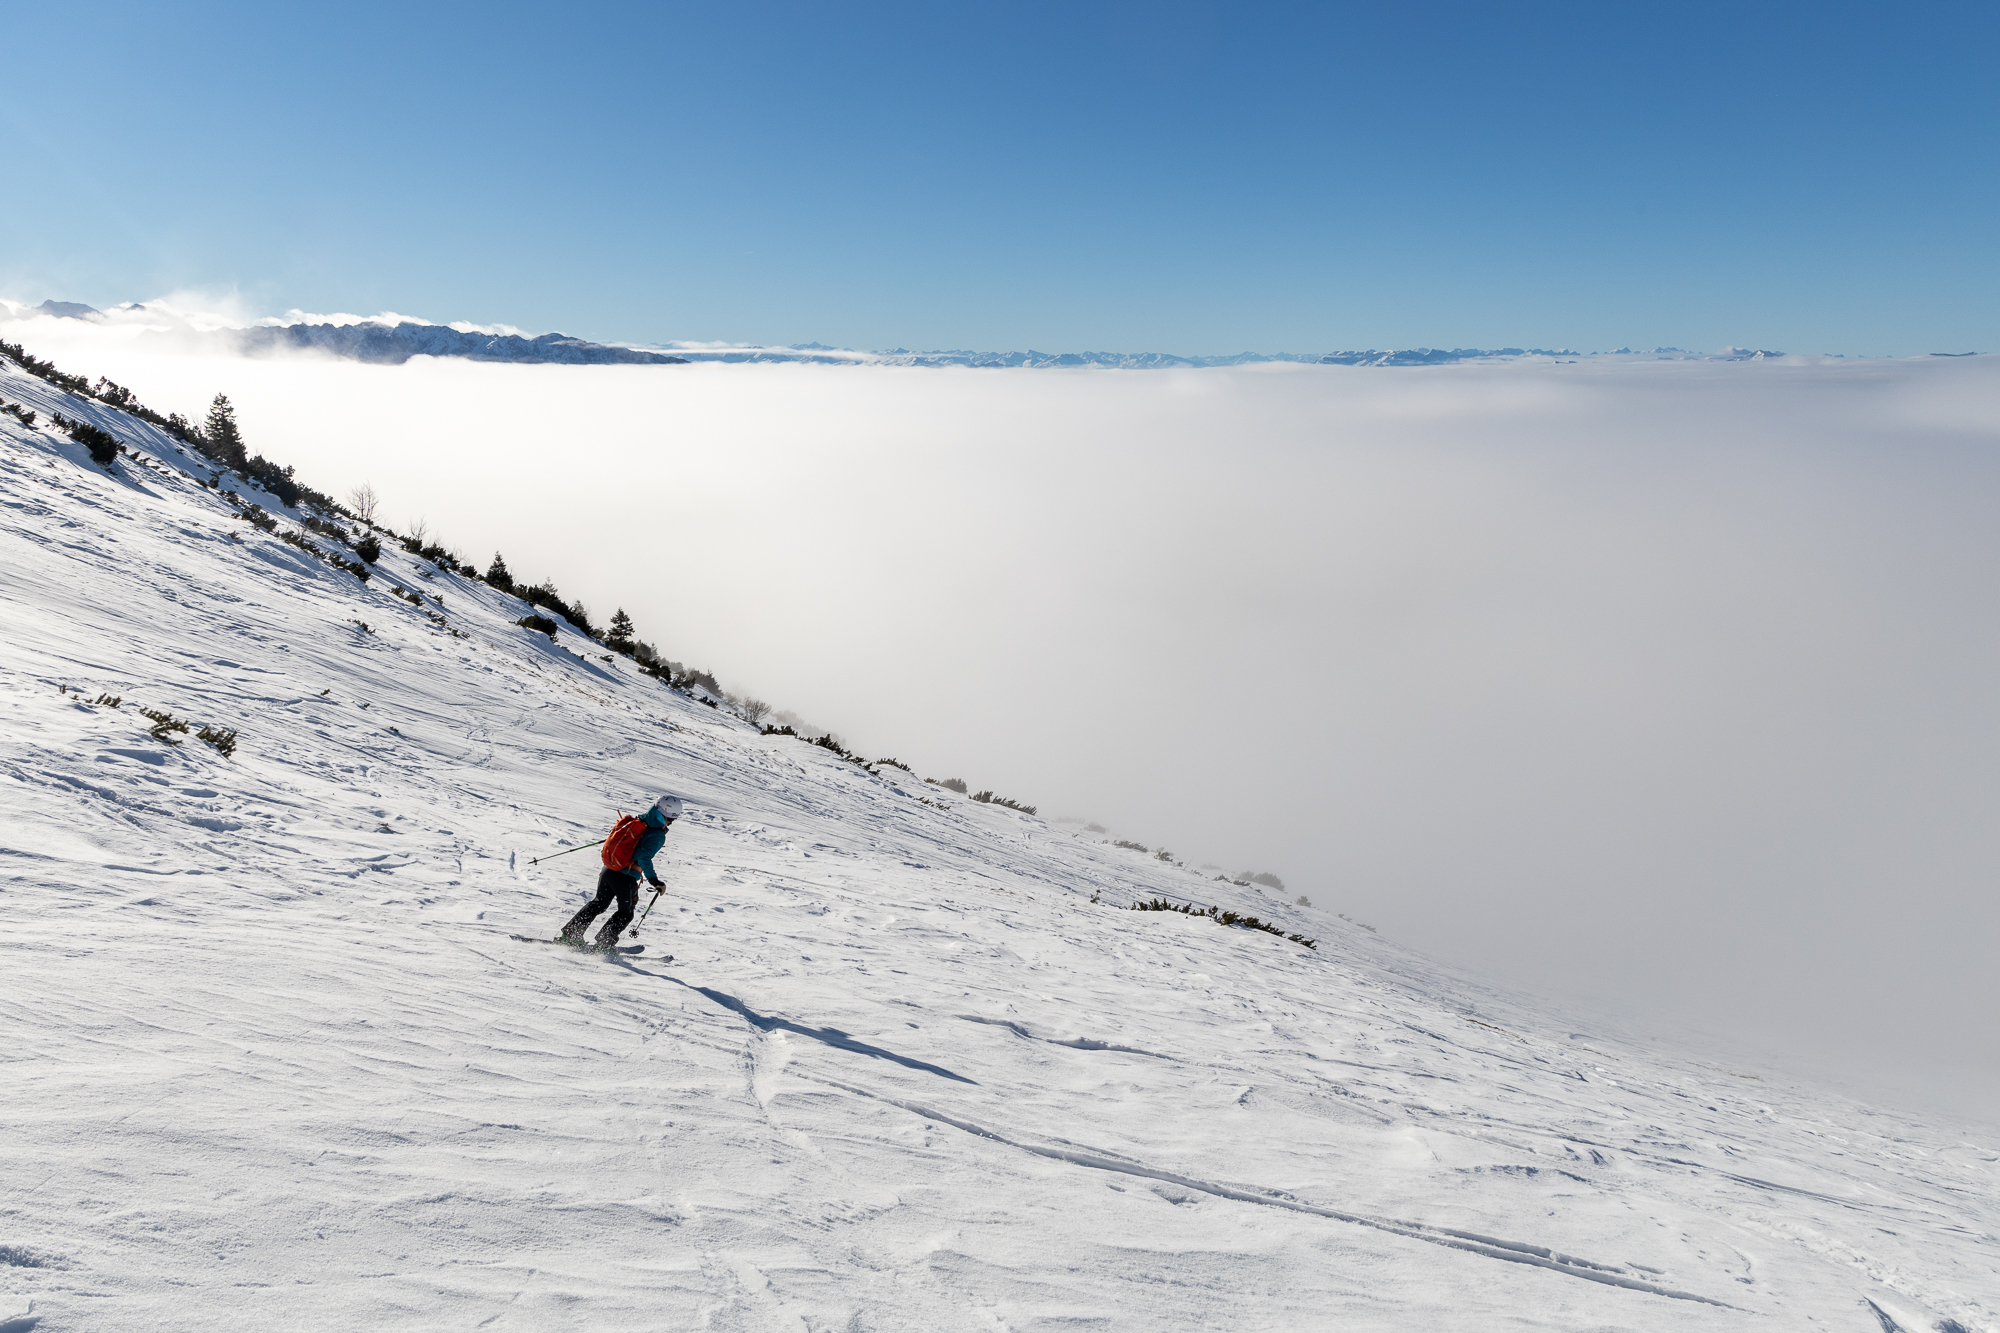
x=1539, y=1256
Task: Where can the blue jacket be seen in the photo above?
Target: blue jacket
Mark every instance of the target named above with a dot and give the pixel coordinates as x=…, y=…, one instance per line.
x=650, y=842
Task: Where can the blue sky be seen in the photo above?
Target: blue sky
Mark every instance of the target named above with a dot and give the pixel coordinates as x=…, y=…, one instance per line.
x=1188, y=178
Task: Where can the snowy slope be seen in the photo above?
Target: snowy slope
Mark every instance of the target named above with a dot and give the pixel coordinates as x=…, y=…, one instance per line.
x=272, y=1060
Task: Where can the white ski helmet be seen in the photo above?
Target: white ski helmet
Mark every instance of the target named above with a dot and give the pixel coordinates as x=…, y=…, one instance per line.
x=669, y=806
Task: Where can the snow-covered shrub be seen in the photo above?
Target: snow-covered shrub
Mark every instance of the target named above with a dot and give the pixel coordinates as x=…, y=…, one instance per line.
x=277, y=480
x=988, y=798
x=44, y=370
x=103, y=445
x=298, y=539
x=544, y=595
x=332, y=531
x=253, y=514
x=223, y=741
x=164, y=725
x=894, y=763
x=1222, y=917
x=950, y=784
x=689, y=677
x=354, y=567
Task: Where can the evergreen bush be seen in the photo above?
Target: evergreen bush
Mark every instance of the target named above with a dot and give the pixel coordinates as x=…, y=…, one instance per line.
x=1222, y=917
x=540, y=624
x=689, y=677
x=988, y=798
x=221, y=438
x=368, y=549
x=164, y=725
x=103, y=445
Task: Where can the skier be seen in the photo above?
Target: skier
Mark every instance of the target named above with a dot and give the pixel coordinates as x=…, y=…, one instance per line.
x=628, y=855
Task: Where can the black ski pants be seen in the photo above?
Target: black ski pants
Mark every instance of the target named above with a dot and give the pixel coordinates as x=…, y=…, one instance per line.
x=611, y=885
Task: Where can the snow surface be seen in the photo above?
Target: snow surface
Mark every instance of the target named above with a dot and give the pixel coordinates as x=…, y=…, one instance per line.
x=272, y=1060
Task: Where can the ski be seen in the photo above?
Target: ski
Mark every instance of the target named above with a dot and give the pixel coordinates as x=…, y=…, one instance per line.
x=584, y=948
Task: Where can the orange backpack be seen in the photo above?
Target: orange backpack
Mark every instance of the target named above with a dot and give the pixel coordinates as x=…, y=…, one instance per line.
x=618, y=847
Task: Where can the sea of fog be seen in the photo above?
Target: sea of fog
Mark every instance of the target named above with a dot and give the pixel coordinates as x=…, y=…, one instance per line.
x=1671, y=686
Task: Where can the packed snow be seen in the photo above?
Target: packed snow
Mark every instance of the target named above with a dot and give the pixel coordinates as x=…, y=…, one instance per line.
x=892, y=1059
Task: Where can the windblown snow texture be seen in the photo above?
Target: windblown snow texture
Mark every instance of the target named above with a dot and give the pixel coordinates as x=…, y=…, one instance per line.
x=272, y=1061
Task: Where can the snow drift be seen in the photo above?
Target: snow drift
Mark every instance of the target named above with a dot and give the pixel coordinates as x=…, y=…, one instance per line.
x=274, y=1061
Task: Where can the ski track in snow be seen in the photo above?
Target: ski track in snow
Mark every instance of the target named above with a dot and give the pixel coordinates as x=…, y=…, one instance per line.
x=272, y=1061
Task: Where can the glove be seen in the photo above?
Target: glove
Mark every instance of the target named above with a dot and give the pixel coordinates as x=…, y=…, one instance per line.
x=658, y=887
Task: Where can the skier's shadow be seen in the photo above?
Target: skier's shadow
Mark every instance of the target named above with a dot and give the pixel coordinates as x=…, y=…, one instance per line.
x=829, y=1036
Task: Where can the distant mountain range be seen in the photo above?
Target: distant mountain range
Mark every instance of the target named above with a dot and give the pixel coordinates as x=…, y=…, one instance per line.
x=392, y=341
x=393, y=344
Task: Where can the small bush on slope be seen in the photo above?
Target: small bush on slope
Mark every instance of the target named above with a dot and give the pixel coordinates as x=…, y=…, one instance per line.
x=988, y=798
x=103, y=445
x=1222, y=917
x=164, y=725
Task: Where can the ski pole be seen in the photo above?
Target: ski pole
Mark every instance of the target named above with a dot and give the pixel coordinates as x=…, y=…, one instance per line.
x=648, y=912
x=564, y=852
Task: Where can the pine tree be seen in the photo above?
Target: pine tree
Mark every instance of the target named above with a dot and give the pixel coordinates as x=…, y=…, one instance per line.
x=497, y=575
x=225, y=441
x=621, y=627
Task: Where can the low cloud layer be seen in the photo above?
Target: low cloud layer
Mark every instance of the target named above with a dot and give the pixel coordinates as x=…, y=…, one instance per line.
x=1670, y=684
